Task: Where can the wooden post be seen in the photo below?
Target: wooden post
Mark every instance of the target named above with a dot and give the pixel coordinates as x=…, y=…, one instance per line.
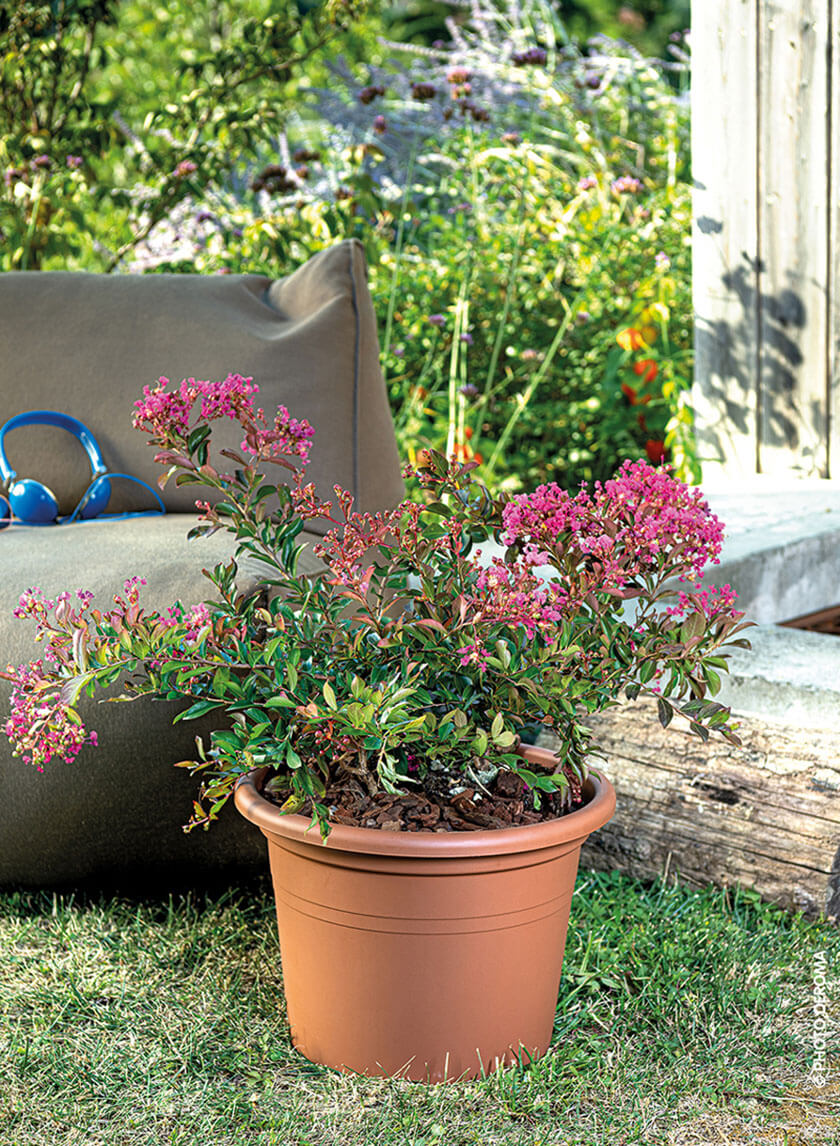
x=765, y=110
x=725, y=237
x=833, y=125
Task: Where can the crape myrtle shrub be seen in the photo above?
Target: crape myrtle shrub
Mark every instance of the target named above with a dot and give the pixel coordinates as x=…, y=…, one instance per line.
x=525, y=210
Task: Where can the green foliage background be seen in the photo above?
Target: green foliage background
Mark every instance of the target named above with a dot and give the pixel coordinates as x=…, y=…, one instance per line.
x=133, y=136
x=646, y=24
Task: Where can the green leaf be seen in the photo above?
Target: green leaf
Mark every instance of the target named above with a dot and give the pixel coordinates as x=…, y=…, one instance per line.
x=197, y=436
x=198, y=709
x=329, y=696
x=280, y=702
x=503, y=653
x=692, y=627
x=272, y=646
x=666, y=712
x=497, y=726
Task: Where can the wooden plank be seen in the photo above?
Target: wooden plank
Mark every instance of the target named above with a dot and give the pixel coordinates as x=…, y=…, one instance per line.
x=793, y=236
x=834, y=248
x=765, y=816
x=724, y=115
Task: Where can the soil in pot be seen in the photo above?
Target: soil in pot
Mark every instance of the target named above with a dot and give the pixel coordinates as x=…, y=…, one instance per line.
x=505, y=802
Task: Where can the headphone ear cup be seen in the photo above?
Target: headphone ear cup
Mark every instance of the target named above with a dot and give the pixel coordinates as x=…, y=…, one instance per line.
x=96, y=498
x=32, y=502
x=5, y=513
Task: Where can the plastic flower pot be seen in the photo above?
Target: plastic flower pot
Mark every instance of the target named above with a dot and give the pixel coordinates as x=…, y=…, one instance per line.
x=430, y=956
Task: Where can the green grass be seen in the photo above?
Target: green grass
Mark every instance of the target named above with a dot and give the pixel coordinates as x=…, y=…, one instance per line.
x=684, y=1017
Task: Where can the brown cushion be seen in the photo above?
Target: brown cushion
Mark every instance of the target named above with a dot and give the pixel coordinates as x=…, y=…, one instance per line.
x=87, y=344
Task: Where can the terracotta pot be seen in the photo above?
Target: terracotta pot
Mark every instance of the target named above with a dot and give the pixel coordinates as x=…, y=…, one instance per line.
x=425, y=955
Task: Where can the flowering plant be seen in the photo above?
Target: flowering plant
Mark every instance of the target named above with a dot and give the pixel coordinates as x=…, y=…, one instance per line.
x=395, y=687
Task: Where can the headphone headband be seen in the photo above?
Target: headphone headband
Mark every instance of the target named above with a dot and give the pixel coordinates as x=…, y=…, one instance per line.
x=63, y=422
x=33, y=504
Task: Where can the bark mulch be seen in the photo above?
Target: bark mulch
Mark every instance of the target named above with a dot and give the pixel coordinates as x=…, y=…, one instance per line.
x=507, y=802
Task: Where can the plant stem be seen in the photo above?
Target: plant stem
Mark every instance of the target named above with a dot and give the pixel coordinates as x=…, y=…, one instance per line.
x=461, y=311
x=392, y=298
x=509, y=293
x=33, y=222
x=525, y=397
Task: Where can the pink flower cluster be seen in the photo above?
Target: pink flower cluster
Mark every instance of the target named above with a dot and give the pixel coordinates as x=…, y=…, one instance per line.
x=511, y=594
x=660, y=515
x=165, y=415
x=344, y=549
x=42, y=725
x=639, y=520
x=227, y=399
x=195, y=621
x=713, y=601
x=541, y=517
x=288, y=437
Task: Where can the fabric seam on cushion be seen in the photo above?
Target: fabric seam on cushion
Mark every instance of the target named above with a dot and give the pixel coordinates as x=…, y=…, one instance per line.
x=356, y=369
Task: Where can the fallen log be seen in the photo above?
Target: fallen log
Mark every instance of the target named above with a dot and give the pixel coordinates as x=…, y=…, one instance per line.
x=765, y=816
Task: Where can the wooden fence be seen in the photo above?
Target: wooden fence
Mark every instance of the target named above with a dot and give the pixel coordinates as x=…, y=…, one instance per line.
x=766, y=168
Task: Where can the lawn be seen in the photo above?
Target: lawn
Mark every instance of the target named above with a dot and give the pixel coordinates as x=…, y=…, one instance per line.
x=685, y=1017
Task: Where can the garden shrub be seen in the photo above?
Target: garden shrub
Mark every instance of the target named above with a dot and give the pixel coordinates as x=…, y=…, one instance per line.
x=525, y=209
x=112, y=113
x=524, y=205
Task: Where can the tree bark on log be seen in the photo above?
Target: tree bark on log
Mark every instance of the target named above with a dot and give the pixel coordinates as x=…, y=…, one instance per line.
x=765, y=816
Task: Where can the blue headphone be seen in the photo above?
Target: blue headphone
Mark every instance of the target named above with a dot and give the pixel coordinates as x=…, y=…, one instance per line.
x=33, y=503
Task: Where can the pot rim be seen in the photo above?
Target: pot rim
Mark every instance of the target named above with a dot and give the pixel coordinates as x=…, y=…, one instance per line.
x=574, y=826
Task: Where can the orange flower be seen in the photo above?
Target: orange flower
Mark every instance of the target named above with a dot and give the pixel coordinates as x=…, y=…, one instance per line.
x=655, y=452
x=632, y=395
x=646, y=367
x=464, y=452
x=629, y=393
x=630, y=339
